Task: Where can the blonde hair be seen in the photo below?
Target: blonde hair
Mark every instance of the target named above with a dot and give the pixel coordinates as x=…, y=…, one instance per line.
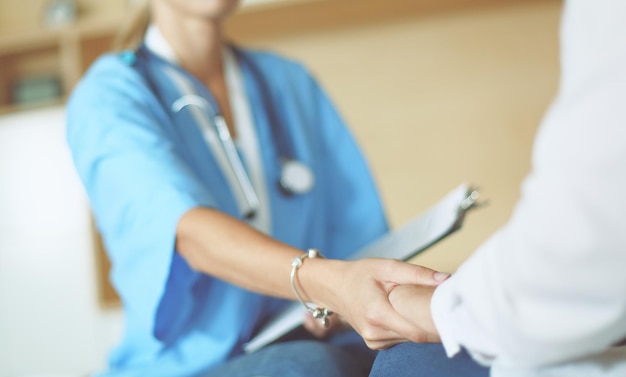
x=133, y=30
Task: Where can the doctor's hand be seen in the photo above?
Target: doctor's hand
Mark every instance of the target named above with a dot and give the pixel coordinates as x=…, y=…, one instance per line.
x=360, y=293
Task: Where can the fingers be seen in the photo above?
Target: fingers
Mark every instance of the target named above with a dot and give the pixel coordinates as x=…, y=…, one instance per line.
x=398, y=273
x=413, y=303
x=314, y=327
x=385, y=327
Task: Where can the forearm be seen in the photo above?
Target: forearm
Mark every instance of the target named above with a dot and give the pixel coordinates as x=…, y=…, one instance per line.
x=221, y=246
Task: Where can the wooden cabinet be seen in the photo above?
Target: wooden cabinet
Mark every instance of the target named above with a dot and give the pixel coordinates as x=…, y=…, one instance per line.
x=41, y=67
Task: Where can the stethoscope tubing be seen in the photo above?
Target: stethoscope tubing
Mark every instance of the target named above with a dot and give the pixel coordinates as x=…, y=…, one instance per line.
x=217, y=122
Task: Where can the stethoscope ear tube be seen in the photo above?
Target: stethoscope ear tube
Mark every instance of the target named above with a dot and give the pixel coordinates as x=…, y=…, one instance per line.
x=237, y=166
x=250, y=203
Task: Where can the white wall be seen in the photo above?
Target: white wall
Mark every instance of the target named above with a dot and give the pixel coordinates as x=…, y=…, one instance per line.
x=50, y=321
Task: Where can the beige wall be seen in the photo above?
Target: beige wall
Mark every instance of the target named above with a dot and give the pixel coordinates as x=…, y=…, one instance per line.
x=439, y=99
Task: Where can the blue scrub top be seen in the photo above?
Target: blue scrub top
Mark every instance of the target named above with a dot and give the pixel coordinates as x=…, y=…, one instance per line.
x=143, y=167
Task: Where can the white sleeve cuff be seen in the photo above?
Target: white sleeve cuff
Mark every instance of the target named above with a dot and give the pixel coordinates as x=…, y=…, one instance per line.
x=441, y=307
x=445, y=309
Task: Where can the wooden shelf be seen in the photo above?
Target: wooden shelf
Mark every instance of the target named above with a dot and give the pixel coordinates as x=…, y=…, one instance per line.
x=86, y=28
x=7, y=109
x=65, y=52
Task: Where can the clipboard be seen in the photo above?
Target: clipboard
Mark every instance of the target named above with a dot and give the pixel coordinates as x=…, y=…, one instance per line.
x=415, y=236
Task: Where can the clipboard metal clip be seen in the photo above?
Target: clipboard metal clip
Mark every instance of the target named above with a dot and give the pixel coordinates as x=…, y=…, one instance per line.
x=471, y=201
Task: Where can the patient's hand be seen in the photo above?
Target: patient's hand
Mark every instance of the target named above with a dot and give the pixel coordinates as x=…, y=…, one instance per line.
x=413, y=303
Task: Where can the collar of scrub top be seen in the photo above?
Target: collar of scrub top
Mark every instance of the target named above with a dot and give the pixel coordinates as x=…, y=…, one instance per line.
x=249, y=186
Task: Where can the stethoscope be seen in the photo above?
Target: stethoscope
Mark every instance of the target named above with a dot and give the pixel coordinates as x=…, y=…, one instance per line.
x=295, y=178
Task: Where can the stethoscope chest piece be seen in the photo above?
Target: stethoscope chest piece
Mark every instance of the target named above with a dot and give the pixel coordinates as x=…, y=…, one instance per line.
x=296, y=177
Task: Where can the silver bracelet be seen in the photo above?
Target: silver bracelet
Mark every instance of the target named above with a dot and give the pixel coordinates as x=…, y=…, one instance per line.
x=319, y=313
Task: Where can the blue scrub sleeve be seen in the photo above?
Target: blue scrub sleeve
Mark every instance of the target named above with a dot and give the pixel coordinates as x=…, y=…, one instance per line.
x=139, y=188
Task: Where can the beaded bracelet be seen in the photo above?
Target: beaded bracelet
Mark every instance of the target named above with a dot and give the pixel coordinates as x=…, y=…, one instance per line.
x=319, y=313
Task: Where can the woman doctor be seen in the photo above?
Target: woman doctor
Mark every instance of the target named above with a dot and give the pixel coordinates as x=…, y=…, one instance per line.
x=210, y=169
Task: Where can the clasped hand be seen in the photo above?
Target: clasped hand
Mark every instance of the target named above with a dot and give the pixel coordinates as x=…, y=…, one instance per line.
x=386, y=301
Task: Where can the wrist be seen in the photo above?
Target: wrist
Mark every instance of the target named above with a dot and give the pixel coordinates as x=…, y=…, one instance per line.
x=317, y=281
x=316, y=311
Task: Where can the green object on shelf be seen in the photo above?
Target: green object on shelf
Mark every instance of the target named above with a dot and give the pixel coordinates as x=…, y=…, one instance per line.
x=37, y=89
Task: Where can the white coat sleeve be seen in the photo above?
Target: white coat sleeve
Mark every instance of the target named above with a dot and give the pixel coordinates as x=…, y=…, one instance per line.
x=550, y=285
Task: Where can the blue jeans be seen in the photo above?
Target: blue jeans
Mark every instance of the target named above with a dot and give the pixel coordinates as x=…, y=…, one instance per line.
x=424, y=359
x=343, y=355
